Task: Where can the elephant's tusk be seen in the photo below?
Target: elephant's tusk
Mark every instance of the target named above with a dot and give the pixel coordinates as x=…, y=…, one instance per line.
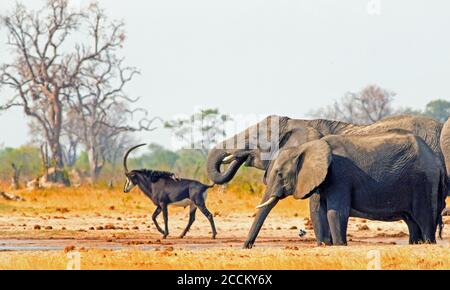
x=272, y=199
x=228, y=159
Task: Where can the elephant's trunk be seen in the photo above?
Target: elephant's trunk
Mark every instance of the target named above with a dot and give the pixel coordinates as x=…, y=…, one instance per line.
x=259, y=220
x=216, y=158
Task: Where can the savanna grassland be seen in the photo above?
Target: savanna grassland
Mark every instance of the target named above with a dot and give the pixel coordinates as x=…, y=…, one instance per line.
x=113, y=230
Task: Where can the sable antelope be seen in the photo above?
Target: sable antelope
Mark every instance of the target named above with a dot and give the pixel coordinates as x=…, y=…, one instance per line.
x=165, y=188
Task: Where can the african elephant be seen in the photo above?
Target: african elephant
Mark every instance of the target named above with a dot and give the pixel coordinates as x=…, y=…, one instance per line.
x=266, y=137
x=246, y=147
x=389, y=176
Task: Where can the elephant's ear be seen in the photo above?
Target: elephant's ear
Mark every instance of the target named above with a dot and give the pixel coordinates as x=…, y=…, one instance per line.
x=312, y=167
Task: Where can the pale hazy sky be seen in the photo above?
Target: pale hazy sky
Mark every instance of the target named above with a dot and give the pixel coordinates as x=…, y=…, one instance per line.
x=271, y=57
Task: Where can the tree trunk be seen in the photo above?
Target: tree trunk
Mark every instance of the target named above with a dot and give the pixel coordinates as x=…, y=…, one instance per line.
x=56, y=122
x=57, y=160
x=44, y=158
x=59, y=175
x=95, y=167
x=16, y=176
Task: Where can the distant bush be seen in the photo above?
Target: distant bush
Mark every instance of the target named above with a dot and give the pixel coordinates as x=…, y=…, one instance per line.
x=25, y=157
x=187, y=163
x=82, y=162
x=159, y=158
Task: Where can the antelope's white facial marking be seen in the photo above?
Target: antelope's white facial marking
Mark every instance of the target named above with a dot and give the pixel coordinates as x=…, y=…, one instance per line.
x=129, y=185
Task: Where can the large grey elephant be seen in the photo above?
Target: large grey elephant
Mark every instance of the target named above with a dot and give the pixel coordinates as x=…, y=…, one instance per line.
x=277, y=132
x=389, y=177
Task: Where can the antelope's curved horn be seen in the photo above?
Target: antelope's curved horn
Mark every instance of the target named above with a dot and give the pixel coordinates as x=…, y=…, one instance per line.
x=126, y=156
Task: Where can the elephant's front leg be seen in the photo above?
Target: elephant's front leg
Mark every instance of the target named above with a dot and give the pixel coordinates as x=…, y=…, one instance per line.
x=338, y=212
x=318, y=213
x=338, y=221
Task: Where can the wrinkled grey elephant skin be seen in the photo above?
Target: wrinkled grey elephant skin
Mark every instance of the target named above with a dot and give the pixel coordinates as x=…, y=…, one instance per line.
x=294, y=132
x=389, y=177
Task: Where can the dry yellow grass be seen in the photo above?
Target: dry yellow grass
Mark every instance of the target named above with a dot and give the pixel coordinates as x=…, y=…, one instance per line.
x=79, y=202
x=91, y=200
x=399, y=257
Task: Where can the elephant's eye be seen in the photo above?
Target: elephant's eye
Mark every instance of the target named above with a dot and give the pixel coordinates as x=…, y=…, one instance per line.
x=279, y=174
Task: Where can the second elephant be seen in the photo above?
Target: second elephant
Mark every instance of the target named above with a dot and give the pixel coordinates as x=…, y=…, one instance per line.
x=391, y=176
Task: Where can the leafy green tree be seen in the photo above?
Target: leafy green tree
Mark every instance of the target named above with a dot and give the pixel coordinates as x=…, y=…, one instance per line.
x=82, y=162
x=27, y=158
x=159, y=158
x=409, y=111
x=201, y=130
x=191, y=164
x=185, y=162
x=438, y=109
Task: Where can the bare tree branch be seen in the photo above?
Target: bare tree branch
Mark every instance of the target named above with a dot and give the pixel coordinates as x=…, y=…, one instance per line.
x=368, y=106
x=47, y=68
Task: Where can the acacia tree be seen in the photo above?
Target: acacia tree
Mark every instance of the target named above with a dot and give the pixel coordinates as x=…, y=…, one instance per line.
x=101, y=108
x=438, y=109
x=103, y=132
x=200, y=130
x=47, y=63
x=368, y=106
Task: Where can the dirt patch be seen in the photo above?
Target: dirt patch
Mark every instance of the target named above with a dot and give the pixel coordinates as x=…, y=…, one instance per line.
x=363, y=227
x=137, y=231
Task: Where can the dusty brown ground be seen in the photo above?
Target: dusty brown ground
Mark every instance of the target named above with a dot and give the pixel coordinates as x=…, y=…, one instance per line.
x=37, y=233
x=137, y=231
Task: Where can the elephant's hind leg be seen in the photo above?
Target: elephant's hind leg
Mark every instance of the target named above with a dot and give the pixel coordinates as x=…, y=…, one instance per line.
x=415, y=234
x=422, y=213
x=428, y=231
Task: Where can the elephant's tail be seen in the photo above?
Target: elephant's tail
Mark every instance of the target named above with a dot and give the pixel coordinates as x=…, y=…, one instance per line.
x=441, y=227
